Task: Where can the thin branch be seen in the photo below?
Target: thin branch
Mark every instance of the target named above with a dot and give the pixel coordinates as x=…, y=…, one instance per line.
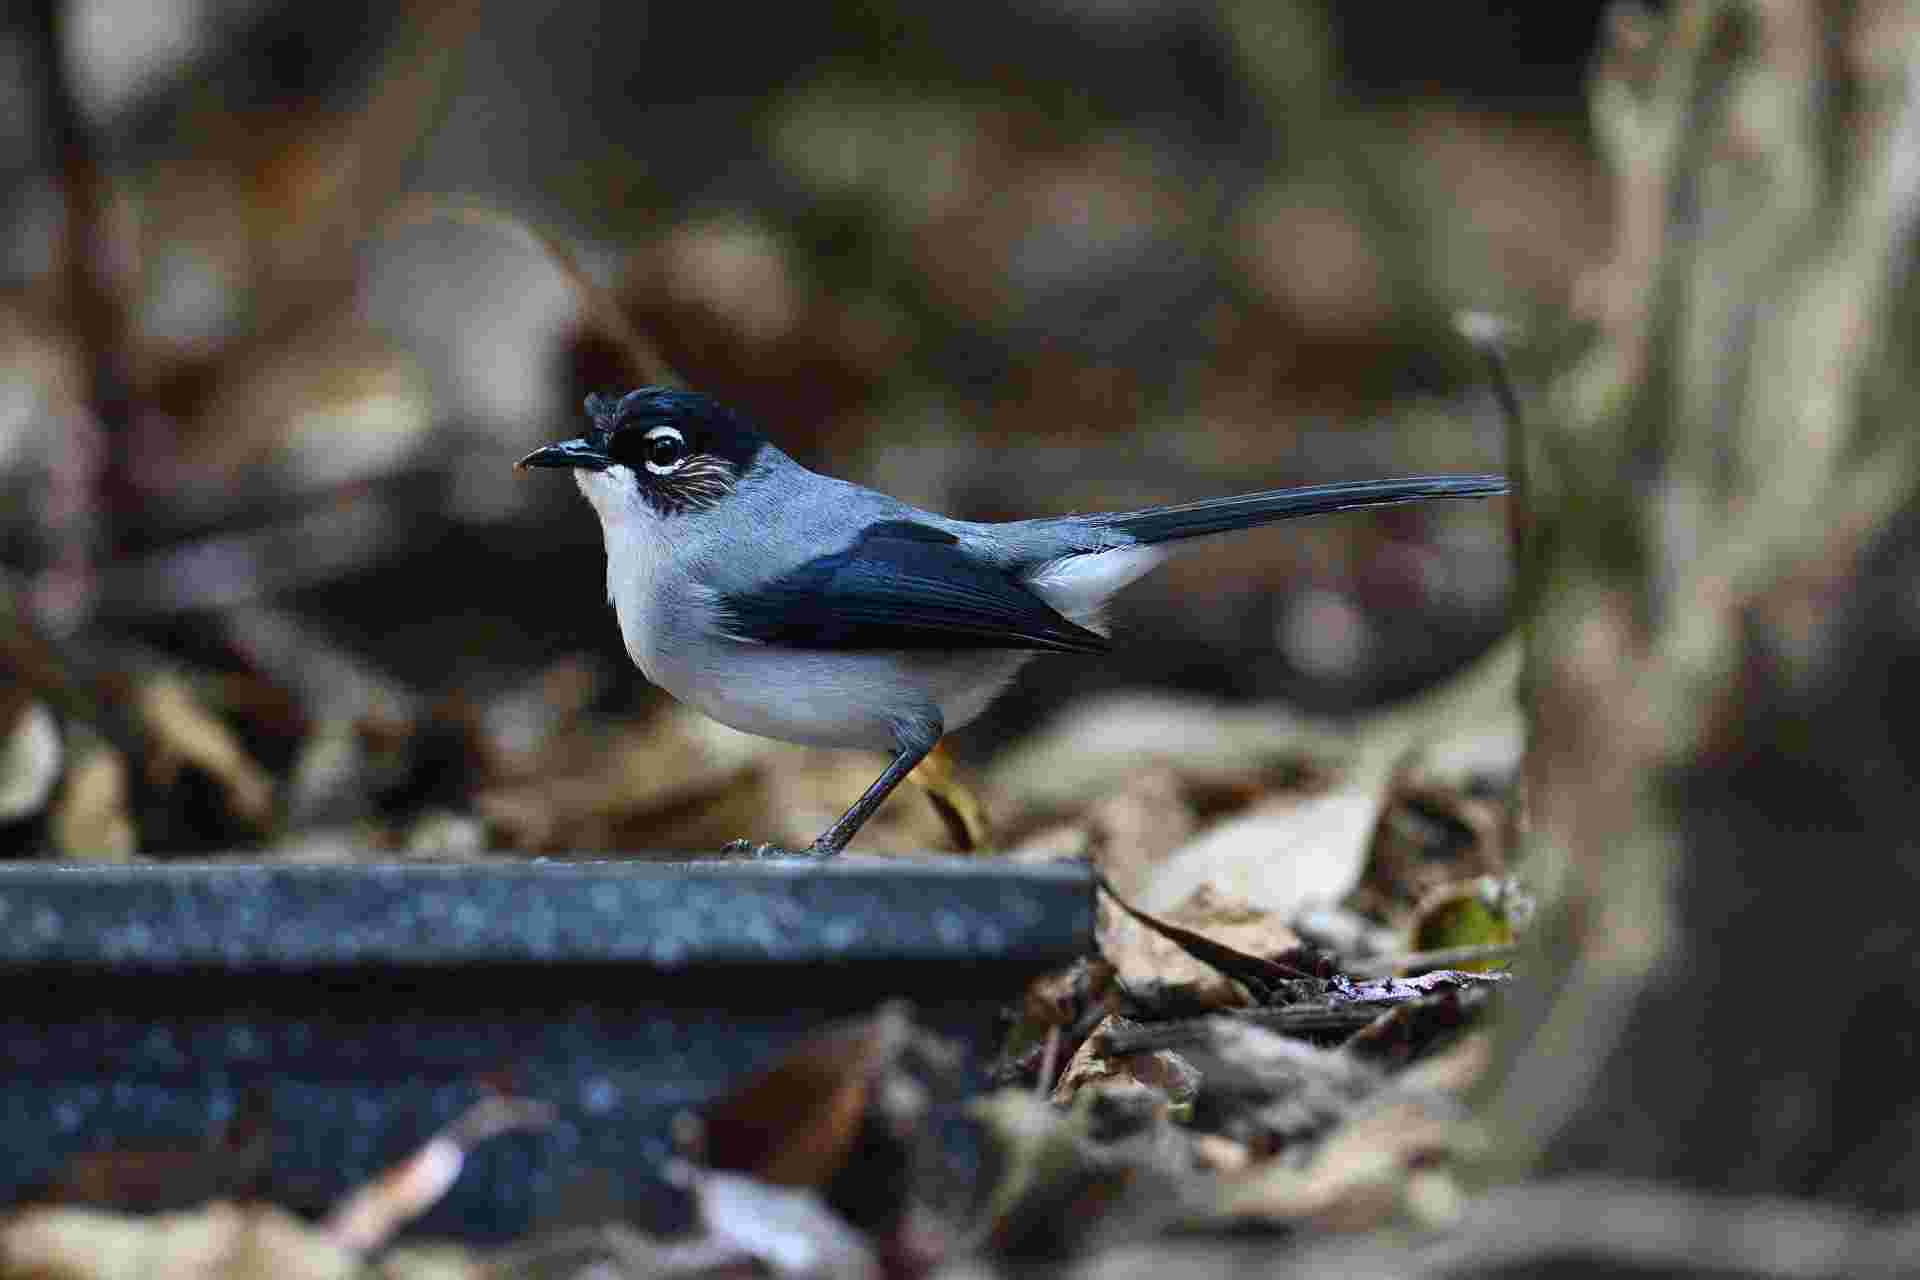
x=596, y=301
x=90, y=460
x=1443, y=958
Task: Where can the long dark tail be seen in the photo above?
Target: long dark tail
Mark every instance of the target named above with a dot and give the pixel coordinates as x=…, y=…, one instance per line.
x=1218, y=515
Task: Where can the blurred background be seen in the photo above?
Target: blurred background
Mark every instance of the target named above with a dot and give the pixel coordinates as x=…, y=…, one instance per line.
x=289, y=287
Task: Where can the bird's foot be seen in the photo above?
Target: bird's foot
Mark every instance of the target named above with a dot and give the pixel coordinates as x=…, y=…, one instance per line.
x=750, y=849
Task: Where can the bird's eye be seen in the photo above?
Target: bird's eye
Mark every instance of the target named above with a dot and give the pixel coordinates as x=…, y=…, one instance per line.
x=664, y=450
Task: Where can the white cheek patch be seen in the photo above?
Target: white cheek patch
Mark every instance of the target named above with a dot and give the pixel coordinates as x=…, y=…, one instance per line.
x=1079, y=586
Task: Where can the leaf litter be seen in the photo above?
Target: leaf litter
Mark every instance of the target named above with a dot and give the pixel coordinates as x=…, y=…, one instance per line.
x=1269, y=1032
x=1269, y=861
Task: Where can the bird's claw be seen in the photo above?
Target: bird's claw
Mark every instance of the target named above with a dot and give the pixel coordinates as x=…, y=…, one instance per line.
x=753, y=850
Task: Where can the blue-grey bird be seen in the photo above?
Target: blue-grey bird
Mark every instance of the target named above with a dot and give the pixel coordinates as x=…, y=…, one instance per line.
x=800, y=607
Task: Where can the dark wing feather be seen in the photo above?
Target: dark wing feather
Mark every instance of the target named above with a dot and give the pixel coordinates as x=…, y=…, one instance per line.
x=903, y=586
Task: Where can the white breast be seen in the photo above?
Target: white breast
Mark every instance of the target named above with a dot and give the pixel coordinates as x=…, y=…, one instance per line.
x=638, y=557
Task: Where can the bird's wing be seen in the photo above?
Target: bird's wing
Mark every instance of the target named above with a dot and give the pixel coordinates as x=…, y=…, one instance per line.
x=902, y=585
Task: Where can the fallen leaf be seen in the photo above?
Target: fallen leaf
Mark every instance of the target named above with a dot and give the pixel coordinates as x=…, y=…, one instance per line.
x=1455, y=1069
x=443, y=836
x=1054, y=1188
x=1464, y=915
x=332, y=404
x=30, y=757
x=1273, y=1092
x=592, y=779
x=218, y=1241
x=161, y=1179
x=369, y=1215
x=1410, y=1032
x=1061, y=999
x=1056, y=1013
x=1358, y=1176
x=184, y=733
x=1216, y=1154
x=787, y=1229
x=1287, y=854
x=793, y=1124
x=1211, y=951
x=1093, y=747
x=803, y=790
x=1136, y=827
x=1162, y=1071
x=1427, y=838
x=90, y=817
x=956, y=803
x=1126, y=832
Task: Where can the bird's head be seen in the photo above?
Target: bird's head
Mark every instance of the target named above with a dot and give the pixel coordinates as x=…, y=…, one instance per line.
x=673, y=451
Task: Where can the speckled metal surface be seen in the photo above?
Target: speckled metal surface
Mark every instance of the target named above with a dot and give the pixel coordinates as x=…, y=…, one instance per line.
x=182, y=916
x=360, y=1009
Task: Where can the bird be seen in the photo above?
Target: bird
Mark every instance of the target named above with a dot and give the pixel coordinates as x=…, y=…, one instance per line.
x=793, y=605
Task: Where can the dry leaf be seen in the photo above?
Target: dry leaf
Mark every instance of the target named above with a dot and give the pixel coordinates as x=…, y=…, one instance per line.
x=787, y=1229
x=1163, y=1072
x=90, y=819
x=1358, y=1178
x=1216, y=1154
x=30, y=758
x=956, y=802
x=1054, y=1187
x=1474, y=914
x=793, y=1124
x=1125, y=833
x=1134, y=828
x=332, y=404
x=159, y=1179
x=1271, y=1091
x=803, y=790
x=1289, y=853
x=369, y=1215
x=1093, y=747
x=183, y=733
x=593, y=779
x=1147, y=960
x=1061, y=999
x=1429, y=837
x=1455, y=1069
x=219, y=1241
x=438, y=835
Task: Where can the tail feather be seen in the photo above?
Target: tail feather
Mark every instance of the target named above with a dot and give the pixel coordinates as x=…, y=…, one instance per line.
x=1244, y=511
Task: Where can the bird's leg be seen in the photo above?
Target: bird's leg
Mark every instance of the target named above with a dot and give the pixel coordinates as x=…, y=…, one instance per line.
x=915, y=743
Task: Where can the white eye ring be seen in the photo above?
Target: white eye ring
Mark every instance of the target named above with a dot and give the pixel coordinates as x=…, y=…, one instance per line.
x=652, y=439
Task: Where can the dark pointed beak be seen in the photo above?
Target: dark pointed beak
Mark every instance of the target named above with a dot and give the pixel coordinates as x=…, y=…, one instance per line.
x=578, y=452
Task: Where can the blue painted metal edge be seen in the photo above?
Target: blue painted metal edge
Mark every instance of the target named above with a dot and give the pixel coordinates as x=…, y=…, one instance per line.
x=665, y=916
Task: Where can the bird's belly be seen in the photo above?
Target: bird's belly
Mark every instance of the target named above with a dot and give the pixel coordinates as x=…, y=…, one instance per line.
x=826, y=698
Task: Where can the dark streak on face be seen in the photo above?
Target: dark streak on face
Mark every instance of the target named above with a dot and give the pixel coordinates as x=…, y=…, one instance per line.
x=686, y=451
x=700, y=482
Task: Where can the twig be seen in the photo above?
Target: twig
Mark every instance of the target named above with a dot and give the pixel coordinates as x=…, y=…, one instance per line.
x=1049, y=1062
x=87, y=471
x=1441, y=958
x=597, y=301
x=1150, y=1037
x=1347, y=1010
x=1488, y=333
